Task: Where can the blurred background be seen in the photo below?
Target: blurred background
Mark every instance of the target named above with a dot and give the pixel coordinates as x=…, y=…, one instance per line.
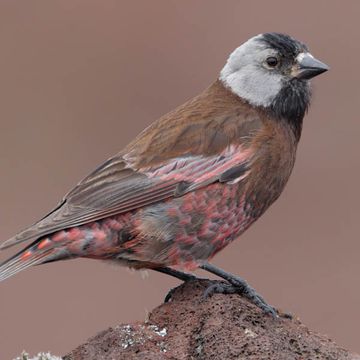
x=79, y=79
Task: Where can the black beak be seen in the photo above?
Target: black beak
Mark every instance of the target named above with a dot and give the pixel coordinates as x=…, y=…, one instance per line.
x=308, y=67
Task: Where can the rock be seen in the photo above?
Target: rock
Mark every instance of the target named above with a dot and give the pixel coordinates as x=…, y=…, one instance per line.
x=221, y=327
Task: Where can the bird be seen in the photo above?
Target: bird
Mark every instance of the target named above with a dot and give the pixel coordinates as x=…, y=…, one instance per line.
x=194, y=180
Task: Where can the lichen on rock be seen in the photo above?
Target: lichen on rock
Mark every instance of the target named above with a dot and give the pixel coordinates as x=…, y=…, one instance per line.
x=41, y=356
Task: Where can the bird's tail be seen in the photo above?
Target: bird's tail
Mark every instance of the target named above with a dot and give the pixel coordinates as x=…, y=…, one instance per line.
x=89, y=241
x=36, y=253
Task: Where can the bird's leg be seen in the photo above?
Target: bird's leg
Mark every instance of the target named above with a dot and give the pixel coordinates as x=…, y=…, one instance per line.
x=236, y=285
x=177, y=274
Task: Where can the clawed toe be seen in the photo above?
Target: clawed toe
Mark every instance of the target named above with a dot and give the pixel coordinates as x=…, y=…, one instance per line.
x=219, y=288
x=169, y=295
x=285, y=315
x=241, y=289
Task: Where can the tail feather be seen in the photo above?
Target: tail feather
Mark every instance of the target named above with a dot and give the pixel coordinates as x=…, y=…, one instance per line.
x=94, y=241
x=25, y=258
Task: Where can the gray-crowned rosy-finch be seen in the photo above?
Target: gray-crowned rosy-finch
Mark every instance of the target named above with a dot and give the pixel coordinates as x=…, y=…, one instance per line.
x=195, y=179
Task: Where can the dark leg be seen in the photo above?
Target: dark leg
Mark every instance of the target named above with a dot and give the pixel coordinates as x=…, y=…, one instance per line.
x=236, y=285
x=177, y=274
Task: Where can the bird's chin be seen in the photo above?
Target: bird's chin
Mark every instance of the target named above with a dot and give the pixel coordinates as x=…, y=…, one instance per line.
x=297, y=80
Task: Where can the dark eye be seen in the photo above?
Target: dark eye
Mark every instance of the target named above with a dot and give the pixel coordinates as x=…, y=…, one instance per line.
x=272, y=61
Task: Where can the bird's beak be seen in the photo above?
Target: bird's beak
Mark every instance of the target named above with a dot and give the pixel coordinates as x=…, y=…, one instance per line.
x=307, y=67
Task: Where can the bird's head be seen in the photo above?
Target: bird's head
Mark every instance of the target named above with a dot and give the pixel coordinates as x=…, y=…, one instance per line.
x=272, y=71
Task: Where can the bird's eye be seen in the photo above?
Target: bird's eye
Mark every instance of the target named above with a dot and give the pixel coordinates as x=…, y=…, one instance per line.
x=272, y=61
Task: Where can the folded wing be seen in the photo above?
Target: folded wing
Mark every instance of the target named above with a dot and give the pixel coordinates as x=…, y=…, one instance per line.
x=116, y=188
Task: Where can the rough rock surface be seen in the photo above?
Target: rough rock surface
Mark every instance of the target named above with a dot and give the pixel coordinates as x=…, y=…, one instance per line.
x=221, y=327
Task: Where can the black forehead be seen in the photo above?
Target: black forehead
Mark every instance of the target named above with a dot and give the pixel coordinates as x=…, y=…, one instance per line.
x=284, y=44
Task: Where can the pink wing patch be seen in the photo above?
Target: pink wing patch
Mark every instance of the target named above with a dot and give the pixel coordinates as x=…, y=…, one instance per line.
x=200, y=170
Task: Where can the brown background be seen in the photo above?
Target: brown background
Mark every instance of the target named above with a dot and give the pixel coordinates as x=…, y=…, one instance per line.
x=79, y=79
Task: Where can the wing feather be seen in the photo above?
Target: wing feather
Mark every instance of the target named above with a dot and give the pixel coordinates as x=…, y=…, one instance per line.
x=189, y=148
x=93, y=200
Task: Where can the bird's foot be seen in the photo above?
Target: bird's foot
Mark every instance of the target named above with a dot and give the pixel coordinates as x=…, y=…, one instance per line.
x=241, y=288
x=233, y=285
x=237, y=285
x=169, y=295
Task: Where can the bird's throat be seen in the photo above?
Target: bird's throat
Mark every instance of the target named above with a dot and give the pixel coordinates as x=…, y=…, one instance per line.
x=291, y=104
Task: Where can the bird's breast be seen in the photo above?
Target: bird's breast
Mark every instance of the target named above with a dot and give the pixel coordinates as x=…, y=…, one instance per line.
x=275, y=157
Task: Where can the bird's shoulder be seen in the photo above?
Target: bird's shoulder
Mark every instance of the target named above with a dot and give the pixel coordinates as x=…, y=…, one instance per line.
x=203, y=126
